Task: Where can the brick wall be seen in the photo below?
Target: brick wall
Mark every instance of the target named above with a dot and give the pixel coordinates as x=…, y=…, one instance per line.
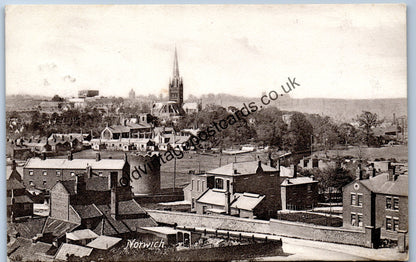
x=360, y=237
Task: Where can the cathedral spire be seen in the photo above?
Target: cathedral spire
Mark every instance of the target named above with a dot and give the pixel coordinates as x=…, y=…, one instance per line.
x=175, y=65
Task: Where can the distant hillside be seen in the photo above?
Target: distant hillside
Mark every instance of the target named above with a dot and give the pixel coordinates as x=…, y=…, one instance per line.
x=339, y=109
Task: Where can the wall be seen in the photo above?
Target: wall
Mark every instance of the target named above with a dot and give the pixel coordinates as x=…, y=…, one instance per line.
x=276, y=227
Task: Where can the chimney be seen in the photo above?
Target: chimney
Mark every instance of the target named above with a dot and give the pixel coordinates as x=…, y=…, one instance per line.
x=372, y=170
x=228, y=199
x=14, y=165
x=97, y=157
x=295, y=170
x=70, y=156
x=89, y=171
x=272, y=162
x=278, y=164
x=114, y=203
x=359, y=172
x=392, y=173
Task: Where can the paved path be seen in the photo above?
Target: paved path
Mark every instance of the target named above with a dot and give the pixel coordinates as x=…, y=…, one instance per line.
x=300, y=249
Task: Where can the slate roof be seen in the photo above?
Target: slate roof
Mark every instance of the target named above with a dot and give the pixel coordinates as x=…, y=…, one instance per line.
x=29, y=251
x=19, y=200
x=110, y=226
x=380, y=184
x=69, y=186
x=247, y=201
x=15, y=175
x=87, y=211
x=81, y=234
x=126, y=128
x=13, y=184
x=213, y=196
x=298, y=181
x=58, y=227
x=243, y=168
x=28, y=229
x=71, y=249
x=97, y=183
x=60, y=163
x=104, y=242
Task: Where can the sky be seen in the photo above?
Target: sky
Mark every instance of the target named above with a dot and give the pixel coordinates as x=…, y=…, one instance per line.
x=333, y=51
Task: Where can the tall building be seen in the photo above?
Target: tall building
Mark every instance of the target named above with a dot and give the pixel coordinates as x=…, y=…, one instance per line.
x=176, y=84
x=132, y=94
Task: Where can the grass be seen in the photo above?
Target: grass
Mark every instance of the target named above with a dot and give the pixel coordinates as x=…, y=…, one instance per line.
x=311, y=219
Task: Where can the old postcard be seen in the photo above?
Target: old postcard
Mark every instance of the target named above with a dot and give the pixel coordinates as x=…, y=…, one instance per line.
x=206, y=132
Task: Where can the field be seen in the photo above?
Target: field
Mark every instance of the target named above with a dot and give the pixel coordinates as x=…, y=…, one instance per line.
x=190, y=161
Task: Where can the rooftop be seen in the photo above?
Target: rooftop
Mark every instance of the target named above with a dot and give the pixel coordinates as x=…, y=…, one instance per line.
x=214, y=197
x=69, y=249
x=60, y=163
x=380, y=184
x=242, y=168
x=81, y=234
x=247, y=201
x=104, y=242
x=298, y=181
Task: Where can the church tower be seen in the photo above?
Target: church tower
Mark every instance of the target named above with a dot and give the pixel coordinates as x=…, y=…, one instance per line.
x=176, y=84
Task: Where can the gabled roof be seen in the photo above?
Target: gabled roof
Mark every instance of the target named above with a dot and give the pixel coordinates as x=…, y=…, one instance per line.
x=59, y=163
x=243, y=168
x=247, y=201
x=15, y=175
x=69, y=186
x=20, y=200
x=13, y=184
x=29, y=251
x=28, y=229
x=380, y=184
x=58, y=227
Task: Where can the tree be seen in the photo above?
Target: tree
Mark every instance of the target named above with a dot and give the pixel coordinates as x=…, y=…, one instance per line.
x=300, y=130
x=367, y=121
x=57, y=98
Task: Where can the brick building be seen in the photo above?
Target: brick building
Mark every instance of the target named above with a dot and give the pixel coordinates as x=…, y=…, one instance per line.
x=242, y=177
x=43, y=173
x=299, y=193
x=381, y=201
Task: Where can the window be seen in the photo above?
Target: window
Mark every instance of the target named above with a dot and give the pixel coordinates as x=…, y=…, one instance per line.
x=388, y=202
x=197, y=185
x=353, y=220
x=72, y=173
x=193, y=203
x=219, y=183
x=360, y=220
x=388, y=223
x=100, y=173
x=396, y=224
x=360, y=200
x=204, y=209
x=58, y=173
x=31, y=183
x=353, y=199
x=192, y=182
x=44, y=173
x=203, y=185
x=44, y=183
x=30, y=172
x=309, y=188
x=396, y=203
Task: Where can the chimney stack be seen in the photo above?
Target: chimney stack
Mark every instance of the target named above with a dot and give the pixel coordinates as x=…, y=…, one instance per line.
x=89, y=171
x=392, y=173
x=97, y=157
x=70, y=156
x=372, y=170
x=14, y=165
x=359, y=172
x=295, y=170
x=278, y=164
x=228, y=199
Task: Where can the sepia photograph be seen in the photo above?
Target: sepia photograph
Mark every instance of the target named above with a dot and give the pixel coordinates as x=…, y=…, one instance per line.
x=226, y=132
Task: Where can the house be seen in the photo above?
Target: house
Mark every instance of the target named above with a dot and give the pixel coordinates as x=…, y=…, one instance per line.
x=246, y=205
x=43, y=173
x=127, y=130
x=299, y=193
x=19, y=203
x=240, y=177
x=381, y=201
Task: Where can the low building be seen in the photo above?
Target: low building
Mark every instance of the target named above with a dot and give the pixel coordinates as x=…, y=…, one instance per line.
x=43, y=173
x=381, y=201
